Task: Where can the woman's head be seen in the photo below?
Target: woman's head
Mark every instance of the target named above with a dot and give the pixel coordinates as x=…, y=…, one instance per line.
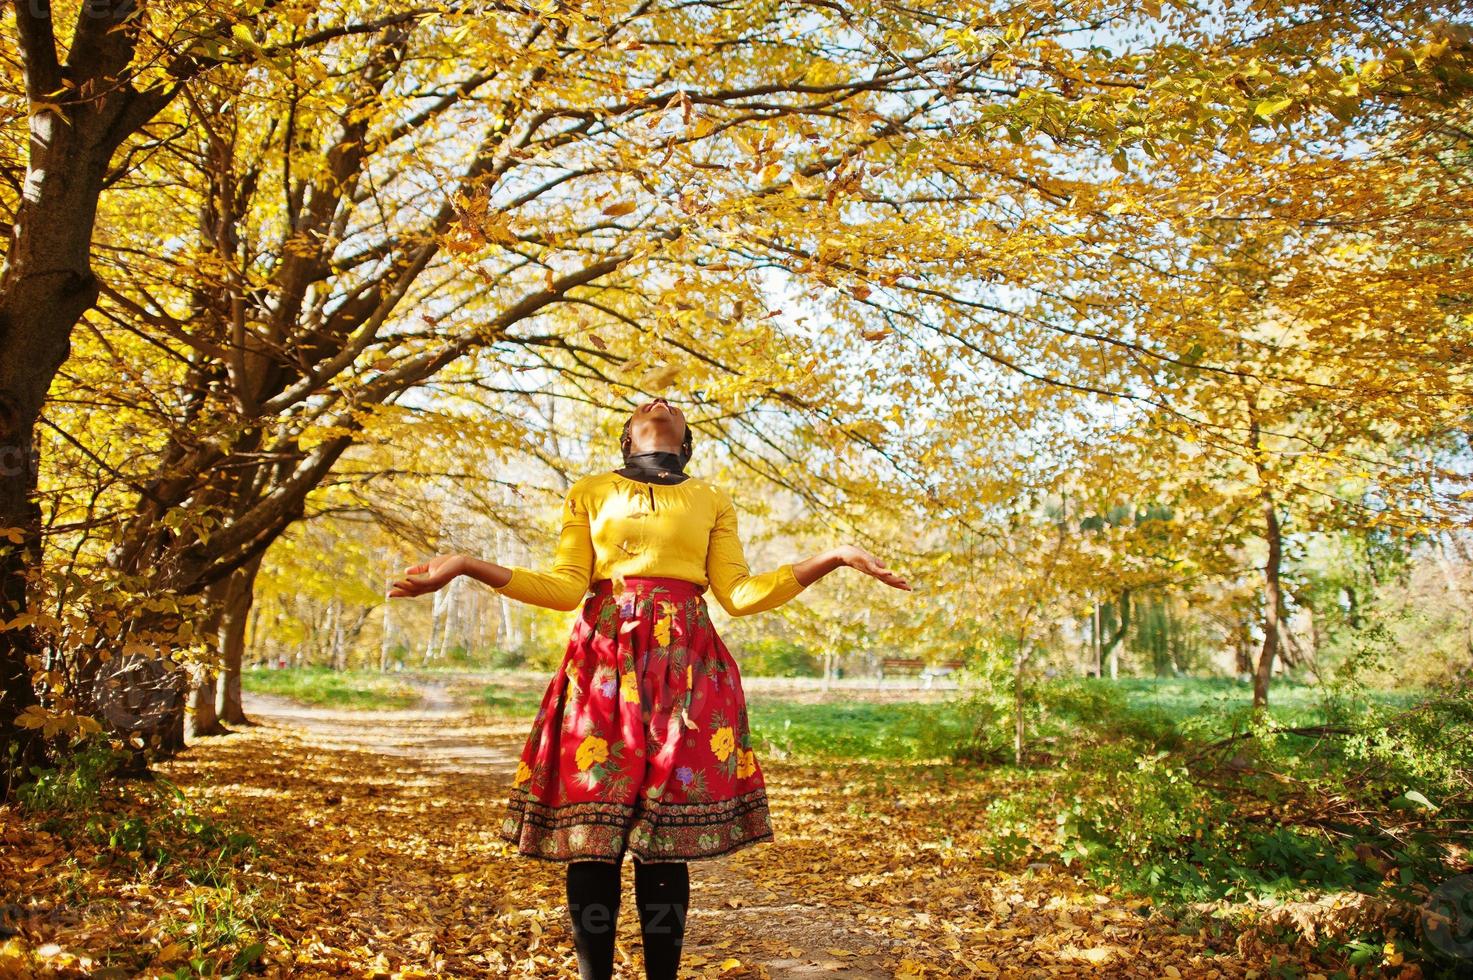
x=656, y=426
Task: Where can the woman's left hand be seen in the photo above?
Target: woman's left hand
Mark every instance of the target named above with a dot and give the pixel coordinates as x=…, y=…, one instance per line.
x=856, y=557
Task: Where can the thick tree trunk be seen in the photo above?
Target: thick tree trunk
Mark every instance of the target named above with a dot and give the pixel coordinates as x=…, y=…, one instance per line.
x=234, y=618
x=228, y=707
x=19, y=747
x=200, y=716
x=171, y=740
x=1272, y=596
x=47, y=282
x=203, y=719
x=46, y=285
x=36, y=317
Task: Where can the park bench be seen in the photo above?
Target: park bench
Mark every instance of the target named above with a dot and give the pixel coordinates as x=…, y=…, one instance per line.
x=911, y=666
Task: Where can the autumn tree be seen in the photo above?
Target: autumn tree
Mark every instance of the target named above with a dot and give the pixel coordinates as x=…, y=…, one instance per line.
x=856, y=237
x=279, y=341
x=88, y=95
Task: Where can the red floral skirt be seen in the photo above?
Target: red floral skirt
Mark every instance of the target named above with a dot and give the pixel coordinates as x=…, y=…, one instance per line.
x=641, y=741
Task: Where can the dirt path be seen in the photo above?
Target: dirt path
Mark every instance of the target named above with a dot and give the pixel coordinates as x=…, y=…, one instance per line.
x=436, y=732
x=731, y=916
x=380, y=829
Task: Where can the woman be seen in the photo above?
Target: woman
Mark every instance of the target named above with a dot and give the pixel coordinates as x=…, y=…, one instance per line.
x=641, y=742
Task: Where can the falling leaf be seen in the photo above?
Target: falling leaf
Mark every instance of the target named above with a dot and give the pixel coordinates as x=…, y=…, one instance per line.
x=660, y=377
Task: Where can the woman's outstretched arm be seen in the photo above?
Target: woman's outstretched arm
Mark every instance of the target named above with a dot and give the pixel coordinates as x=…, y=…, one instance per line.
x=561, y=588
x=741, y=593
x=810, y=570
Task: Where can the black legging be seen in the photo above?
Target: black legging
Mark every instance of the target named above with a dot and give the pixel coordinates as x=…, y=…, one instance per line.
x=662, y=892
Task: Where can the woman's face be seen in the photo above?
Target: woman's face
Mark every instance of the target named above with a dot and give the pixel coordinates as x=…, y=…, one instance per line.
x=657, y=426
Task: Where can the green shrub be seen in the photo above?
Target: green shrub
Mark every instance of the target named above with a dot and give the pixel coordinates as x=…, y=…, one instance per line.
x=75, y=783
x=1010, y=821
x=1140, y=821
x=1076, y=705
x=171, y=836
x=146, y=826
x=772, y=657
x=1428, y=746
x=502, y=659
x=987, y=737
x=148, y=832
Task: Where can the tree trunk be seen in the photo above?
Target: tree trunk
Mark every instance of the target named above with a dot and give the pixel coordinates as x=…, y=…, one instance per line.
x=385, y=640
x=335, y=648
x=478, y=621
x=1272, y=596
x=511, y=637
x=202, y=717
x=171, y=740
x=1096, y=645
x=81, y=111
x=22, y=747
x=1242, y=655
x=1112, y=645
x=437, y=606
x=264, y=652
x=1019, y=660
x=452, y=617
x=227, y=694
x=234, y=618
x=1457, y=591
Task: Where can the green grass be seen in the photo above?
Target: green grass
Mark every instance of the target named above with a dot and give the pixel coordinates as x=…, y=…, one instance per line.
x=363, y=689
x=901, y=731
x=1144, y=708
x=910, y=731
x=496, y=701
x=1122, y=784
x=1078, y=711
x=1181, y=699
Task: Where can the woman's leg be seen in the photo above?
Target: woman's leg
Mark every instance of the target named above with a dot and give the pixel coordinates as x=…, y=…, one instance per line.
x=593, y=905
x=662, y=891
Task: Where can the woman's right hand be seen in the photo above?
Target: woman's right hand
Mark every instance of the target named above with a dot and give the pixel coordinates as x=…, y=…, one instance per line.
x=430, y=576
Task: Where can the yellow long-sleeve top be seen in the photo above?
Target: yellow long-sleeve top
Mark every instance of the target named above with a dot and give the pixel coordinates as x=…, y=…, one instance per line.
x=615, y=527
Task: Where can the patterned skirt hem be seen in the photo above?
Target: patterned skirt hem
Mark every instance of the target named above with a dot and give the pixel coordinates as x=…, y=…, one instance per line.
x=644, y=858
x=650, y=831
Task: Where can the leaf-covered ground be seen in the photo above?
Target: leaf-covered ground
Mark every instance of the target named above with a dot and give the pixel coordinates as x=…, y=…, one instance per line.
x=380, y=859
